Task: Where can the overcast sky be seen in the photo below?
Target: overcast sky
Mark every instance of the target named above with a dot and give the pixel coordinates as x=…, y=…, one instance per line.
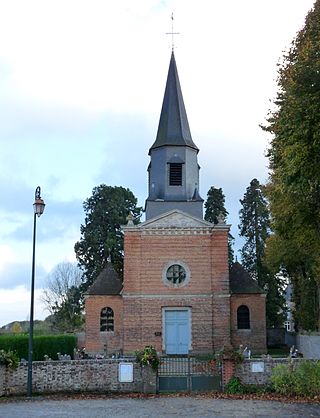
x=81, y=88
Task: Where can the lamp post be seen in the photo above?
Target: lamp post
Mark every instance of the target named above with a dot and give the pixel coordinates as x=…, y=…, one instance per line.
x=38, y=207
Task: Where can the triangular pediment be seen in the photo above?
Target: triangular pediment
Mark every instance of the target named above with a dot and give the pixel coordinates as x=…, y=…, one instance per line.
x=175, y=219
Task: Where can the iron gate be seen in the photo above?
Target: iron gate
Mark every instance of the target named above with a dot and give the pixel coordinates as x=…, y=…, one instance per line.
x=185, y=373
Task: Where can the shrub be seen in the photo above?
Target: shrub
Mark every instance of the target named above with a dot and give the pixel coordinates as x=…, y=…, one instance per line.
x=235, y=386
x=230, y=353
x=9, y=359
x=148, y=357
x=304, y=380
x=42, y=345
x=307, y=379
x=282, y=379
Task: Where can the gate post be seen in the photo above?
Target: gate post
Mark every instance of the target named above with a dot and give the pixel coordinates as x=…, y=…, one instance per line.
x=228, y=369
x=149, y=379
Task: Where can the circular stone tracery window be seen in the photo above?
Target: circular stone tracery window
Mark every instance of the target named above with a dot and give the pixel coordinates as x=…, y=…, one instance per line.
x=176, y=274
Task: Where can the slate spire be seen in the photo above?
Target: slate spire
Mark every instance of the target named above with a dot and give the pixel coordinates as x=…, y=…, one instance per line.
x=173, y=126
x=173, y=172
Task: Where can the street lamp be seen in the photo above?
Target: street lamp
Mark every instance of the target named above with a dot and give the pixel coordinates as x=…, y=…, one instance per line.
x=38, y=207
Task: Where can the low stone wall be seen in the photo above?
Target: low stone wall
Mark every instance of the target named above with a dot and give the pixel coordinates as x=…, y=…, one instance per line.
x=76, y=376
x=309, y=346
x=258, y=371
x=103, y=376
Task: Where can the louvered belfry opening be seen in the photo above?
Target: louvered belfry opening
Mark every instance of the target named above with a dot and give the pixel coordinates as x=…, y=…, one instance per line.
x=175, y=174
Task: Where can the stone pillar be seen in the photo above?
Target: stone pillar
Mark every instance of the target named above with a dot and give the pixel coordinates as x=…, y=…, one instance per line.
x=149, y=380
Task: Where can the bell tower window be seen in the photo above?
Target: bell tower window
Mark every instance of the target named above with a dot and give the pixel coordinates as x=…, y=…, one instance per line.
x=175, y=174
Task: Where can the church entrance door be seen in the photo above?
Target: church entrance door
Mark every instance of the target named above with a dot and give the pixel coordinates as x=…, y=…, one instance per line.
x=177, y=331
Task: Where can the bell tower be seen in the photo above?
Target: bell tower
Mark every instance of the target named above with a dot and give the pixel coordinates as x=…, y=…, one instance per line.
x=173, y=169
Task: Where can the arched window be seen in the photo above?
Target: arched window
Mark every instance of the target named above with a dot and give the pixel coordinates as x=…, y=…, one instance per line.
x=243, y=317
x=106, y=319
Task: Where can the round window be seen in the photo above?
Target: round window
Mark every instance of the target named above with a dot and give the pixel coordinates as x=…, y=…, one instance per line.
x=176, y=274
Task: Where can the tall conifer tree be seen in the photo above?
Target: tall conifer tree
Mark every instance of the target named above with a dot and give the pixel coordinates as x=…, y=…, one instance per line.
x=255, y=229
x=101, y=235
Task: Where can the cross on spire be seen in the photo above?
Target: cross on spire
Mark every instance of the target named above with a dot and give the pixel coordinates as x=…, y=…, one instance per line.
x=172, y=33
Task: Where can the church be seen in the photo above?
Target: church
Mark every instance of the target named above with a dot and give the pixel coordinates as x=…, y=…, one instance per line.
x=177, y=292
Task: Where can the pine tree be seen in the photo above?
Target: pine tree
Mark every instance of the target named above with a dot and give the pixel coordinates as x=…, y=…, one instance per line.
x=215, y=207
x=294, y=186
x=255, y=229
x=101, y=235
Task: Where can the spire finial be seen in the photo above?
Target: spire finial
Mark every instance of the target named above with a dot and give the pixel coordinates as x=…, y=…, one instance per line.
x=172, y=33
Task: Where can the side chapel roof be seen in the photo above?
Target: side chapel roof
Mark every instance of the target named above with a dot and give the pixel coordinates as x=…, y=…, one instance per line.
x=173, y=126
x=107, y=282
x=241, y=282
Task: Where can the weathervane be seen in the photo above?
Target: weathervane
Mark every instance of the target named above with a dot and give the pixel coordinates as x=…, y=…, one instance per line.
x=172, y=33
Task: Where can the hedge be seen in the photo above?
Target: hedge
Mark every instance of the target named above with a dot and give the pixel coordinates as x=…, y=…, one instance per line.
x=300, y=380
x=43, y=345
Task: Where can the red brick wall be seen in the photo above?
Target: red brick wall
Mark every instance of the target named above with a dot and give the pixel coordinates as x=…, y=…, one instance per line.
x=143, y=318
x=221, y=321
x=138, y=313
x=255, y=337
x=228, y=369
x=103, y=342
x=220, y=289
x=146, y=257
x=219, y=266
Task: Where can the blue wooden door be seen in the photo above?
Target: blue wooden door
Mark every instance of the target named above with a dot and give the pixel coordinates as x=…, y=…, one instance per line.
x=177, y=332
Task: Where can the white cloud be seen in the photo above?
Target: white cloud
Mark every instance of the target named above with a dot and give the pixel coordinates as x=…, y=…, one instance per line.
x=81, y=85
x=20, y=309
x=6, y=256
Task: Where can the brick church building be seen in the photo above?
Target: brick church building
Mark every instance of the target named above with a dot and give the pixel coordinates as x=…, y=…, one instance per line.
x=177, y=292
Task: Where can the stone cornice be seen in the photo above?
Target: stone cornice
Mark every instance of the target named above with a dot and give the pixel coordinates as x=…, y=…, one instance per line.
x=174, y=295
x=177, y=231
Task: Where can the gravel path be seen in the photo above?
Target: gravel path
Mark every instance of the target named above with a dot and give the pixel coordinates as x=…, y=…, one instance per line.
x=159, y=407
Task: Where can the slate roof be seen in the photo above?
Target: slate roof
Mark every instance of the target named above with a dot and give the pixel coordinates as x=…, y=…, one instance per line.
x=241, y=282
x=173, y=126
x=107, y=282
